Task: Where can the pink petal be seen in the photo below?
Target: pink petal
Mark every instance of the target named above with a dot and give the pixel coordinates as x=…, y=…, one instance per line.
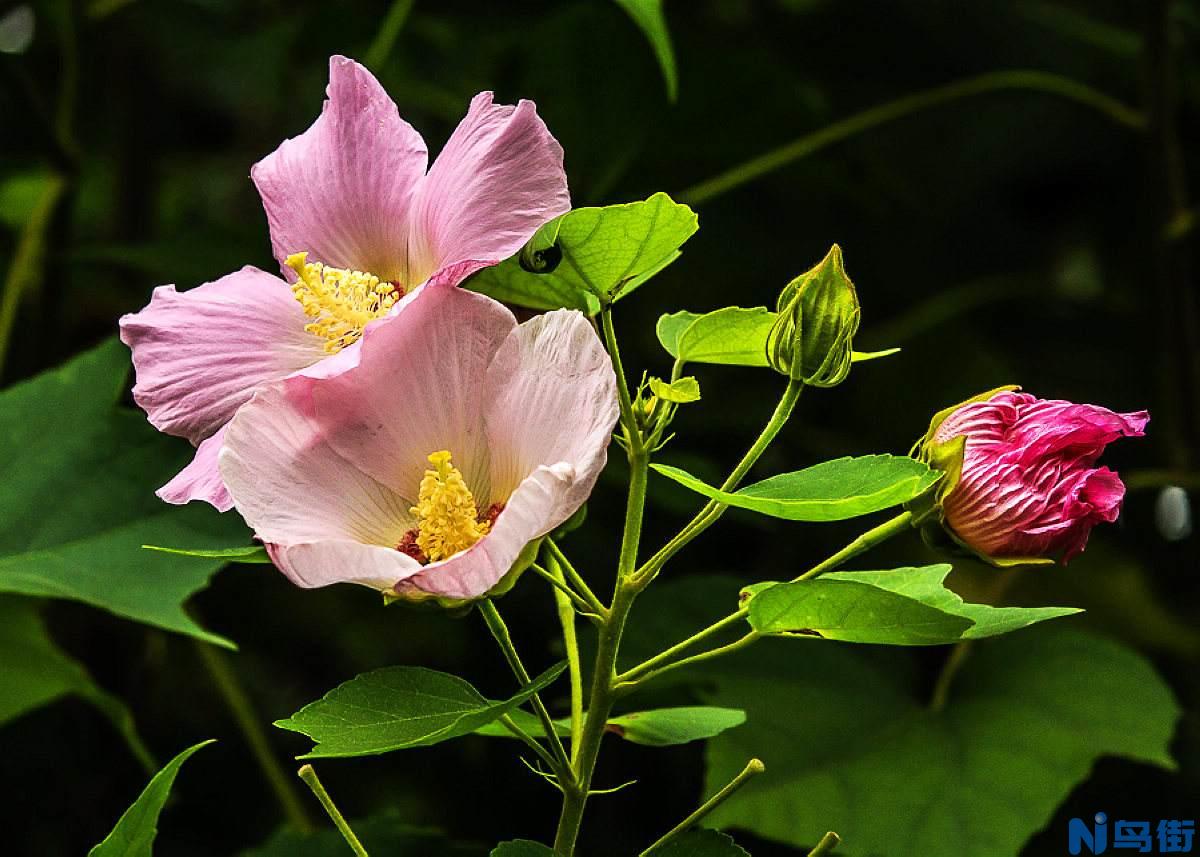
x=200, y=480
x=199, y=354
x=498, y=179
x=290, y=484
x=342, y=561
x=341, y=190
x=419, y=387
x=552, y=399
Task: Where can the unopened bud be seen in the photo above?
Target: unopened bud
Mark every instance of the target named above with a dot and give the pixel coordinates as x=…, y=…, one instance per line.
x=818, y=317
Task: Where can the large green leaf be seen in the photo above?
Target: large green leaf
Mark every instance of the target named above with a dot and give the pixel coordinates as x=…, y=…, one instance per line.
x=851, y=743
x=386, y=835
x=830, y=491
x=135, y=831
x=591, y=256
x=926, y=584
x=851, y=612
x=703, y=843
x=37, y=672
x=663, y=727
x=77, y=499
x=903, y=606
x=396, y=708
x=522, y=848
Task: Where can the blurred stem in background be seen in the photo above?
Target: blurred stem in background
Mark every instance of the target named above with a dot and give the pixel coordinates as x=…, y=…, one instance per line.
x=1173, y=223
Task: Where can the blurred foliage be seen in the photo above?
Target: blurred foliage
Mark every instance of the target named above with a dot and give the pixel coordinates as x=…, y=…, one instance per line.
x=1007, y=236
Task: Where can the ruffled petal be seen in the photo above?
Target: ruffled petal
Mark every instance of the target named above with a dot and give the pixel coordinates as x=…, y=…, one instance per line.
x=419, y=387
x=292, y=487
x=200, y=480
x=552, y=398
x=341, y=190
x=498, y=179
x=200, y=354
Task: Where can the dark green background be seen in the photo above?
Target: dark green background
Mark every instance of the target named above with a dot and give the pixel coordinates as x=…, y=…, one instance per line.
x=1008, y=238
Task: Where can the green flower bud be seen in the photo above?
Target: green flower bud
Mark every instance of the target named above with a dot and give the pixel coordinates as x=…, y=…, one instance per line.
x=818, y=317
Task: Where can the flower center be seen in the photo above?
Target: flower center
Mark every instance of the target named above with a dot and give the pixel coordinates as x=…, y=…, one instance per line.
x=340, y=302
x=447, y=519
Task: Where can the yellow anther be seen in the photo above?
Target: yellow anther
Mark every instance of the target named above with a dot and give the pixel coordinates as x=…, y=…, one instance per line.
x=447, y=518
x=339, y=302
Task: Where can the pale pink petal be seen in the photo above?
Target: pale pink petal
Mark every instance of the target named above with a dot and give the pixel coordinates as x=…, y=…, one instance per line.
x=200, y=354
x=200, y=480
x=552, y=397
x=343, y=561
x=341, y=190
x=291, y=486
x=476, y=570
x=420, y=386
x=498, y=179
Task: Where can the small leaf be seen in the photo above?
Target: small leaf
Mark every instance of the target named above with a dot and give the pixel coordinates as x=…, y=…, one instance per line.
x=830, y=491
x=648, y=15
x=664, y=727
x=851, y=612
x=680, y=391
x=77, y=502
x=397, y=708
x=732, y=336
x=135, y=831
x=703, y=843
x=521, y=848
x=248, y=554
x=864, y=356
x=591, y=256
x=926, y=585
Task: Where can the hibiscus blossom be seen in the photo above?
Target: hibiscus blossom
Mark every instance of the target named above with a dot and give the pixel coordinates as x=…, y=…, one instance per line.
x=459, y=438
x=357, y=223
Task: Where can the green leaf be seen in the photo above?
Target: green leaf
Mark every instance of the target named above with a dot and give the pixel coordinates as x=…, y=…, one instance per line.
x=400, y=707
x=852, y=745
x=681, y=391
x=521, y=848
x=248, y=554
x=830, y=491
x=703, y=843
x=77, y=502
x=37, y=672
x=851, y=612
x=648, y=15
x=926, y=584
x=664, y=727
x=591, y=256
x=135, y=831
x=731, y=336
x=385, y=834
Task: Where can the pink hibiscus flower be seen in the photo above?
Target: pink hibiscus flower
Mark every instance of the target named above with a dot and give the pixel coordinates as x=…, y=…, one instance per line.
x=1028, y=487
x=356, y=224
x=427, y=468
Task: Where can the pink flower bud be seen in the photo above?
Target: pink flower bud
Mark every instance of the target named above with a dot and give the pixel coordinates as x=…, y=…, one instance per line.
x=1027, y=486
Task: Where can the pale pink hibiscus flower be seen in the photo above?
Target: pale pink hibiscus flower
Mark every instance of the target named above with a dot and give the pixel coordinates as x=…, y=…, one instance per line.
x=1027, y=487
x=356, y=223
x=459, y=438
